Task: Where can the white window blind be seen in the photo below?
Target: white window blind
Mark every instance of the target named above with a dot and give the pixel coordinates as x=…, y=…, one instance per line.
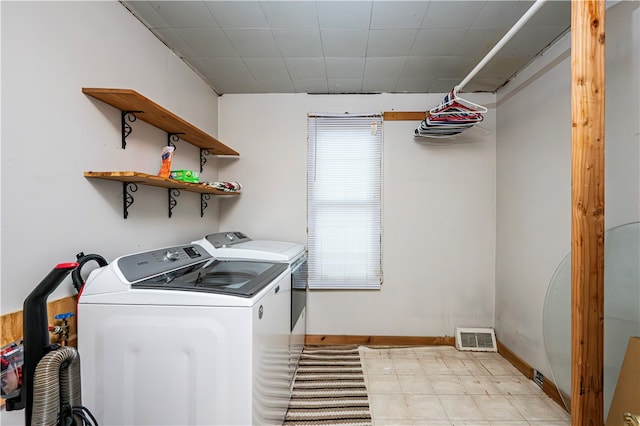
x=344, y=185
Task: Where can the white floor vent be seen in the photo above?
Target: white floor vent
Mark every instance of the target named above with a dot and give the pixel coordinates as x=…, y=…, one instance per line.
x=476, y=339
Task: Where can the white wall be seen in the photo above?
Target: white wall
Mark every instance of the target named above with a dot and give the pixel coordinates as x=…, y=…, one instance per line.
x=52, y=133
x=534, y=176
x=438, y=214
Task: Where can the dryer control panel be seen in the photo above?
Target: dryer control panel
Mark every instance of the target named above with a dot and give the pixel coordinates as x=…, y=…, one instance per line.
x=150, y=263
x=226, y=239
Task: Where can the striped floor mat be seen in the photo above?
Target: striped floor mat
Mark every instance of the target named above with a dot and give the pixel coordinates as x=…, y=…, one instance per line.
x=329, y=389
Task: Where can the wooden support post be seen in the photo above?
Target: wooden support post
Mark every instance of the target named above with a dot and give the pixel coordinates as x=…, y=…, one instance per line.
x=587, y=210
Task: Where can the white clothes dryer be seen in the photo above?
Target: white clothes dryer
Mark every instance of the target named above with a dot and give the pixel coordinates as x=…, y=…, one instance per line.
x=173, y=336
x=237, y=245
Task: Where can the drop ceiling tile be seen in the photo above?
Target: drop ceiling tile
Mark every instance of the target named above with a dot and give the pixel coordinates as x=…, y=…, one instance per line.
x=420, y=67
x=306, y=68
x=276, y=86
x=267, y=68
x=479, y=41
x=552, y=13
x=226, y=69
x=436, y=42
x=237, y=14
x=502, y=67
x=290, y=14
x=390, y=42
x=197, y=64
x=500, y=14
x=413, y=85
x=379, y=85
x=531, y=39
x=310, y=86
x=397, y=14
x=345, y=85
x=147, y=13
x=434, y=66
x=252, y=42
x=236, y=86
x=484, y=84
x=446, y=14
x=344, y=67
x=339, y=42
x=216, y=85
x=298, y=42
x=170, y=37
x=383, y=68
x=258, y=33
x=207, y=41
x=344, y=14
x=178, y=16
x=443, y=85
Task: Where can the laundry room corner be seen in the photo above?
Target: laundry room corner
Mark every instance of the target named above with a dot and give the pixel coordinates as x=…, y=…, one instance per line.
x=52, y=133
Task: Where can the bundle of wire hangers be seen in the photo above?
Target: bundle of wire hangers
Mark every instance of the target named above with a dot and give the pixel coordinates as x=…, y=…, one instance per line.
x=451, y=117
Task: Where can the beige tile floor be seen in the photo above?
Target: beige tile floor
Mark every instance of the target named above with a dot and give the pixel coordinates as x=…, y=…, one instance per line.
x=439, y=385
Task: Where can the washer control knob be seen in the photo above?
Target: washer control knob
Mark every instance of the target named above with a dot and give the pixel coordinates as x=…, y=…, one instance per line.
x=172, y=255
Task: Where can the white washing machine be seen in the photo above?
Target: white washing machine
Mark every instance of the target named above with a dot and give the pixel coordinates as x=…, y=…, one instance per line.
x=236, y=245
x=175, y=337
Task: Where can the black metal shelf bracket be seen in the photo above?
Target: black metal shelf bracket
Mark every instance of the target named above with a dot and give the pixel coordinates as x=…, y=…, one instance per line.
x=126, y=127
x=172, y=193
x=203, y=152
x=127, y=198
x=203, y=202
x=172, y=138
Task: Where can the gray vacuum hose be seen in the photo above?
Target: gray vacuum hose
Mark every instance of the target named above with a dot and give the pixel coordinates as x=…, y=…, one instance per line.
x=56, y=381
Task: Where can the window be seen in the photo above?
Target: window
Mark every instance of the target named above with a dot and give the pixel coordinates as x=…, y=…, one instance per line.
x=344, y=175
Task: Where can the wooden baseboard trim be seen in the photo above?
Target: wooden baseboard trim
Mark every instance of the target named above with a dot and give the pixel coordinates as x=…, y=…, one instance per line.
x=322, y=339
x=548, y=387
x=516, y=361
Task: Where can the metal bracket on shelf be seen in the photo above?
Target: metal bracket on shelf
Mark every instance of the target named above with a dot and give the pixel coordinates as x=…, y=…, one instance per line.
x=172, y=193
x=127, y=198
x=203, y=152
x=203, y=202
x=126, y=127
x=172, y=138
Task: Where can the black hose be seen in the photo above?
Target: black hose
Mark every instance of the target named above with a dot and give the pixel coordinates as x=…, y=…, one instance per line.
x=76, y=277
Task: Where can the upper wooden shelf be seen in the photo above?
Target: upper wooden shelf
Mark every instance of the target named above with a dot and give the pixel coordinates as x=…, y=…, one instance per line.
x=152, y=113
x=154, y=180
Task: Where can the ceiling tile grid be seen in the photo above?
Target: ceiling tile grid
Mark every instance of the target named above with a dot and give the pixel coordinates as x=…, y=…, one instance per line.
x=354, y=46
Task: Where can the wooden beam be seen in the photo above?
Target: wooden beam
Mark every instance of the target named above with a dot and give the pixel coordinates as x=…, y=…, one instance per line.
x=587, y=211
x=404, y=115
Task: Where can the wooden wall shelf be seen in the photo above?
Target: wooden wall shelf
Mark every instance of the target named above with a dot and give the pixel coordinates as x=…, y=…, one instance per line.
x=155, y=180
x=133, y=105
x=130, y=181
x=131, y=102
